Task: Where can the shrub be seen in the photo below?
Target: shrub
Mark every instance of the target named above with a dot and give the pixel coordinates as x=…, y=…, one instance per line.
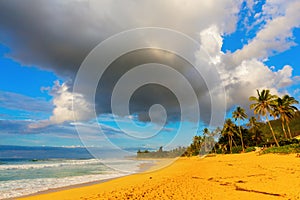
x=237, y=149
x=219, y=151
x=250, y=149
x=289, y=141
x=292, y=148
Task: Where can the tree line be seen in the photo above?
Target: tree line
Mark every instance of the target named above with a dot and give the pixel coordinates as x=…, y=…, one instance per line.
x=235, y=136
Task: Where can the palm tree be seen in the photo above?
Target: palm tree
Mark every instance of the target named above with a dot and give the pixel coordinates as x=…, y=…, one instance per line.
x=286, y=110
x=254, y=128
x=209, y=138
x=206, y=134
x=195, y=147
x=214, y=133
x=240, y=114
x=281, y=110
x=263, y=106
x=228, y=130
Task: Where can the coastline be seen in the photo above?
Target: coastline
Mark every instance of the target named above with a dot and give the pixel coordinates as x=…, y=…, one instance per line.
x=64, y=188
x=237, y=176
x=143, y=167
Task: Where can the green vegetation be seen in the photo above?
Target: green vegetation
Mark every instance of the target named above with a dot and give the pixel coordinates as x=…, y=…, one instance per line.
x=160, y=153
x=292, y=148
x=250, y=149
x=234, y=138
x=196, y=146
x=237, y=149
x=294, y=128
x=263, y=106
x=240, y=114
x=258, y=132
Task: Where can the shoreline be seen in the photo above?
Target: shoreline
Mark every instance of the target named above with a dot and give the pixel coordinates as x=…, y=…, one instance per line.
x=235, y=176
x=65, y=188
x=143, y=168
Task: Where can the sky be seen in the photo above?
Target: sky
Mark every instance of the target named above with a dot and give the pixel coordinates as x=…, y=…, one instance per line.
x=250, y=44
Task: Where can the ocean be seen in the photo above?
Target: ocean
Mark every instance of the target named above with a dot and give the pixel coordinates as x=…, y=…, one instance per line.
x=27, y=170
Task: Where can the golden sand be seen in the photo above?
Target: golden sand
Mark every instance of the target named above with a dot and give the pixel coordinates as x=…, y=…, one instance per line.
x=240, y=176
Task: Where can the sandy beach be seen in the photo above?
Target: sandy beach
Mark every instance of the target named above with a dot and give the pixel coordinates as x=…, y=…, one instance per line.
x=239, y=176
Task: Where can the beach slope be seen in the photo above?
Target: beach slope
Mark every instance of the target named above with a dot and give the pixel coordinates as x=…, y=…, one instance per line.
x=240, y=176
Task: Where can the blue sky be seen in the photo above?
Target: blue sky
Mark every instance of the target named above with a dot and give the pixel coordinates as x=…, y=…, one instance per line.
x=37, y=63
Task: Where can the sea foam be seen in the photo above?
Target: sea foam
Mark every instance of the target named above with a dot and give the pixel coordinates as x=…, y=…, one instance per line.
x=17, y=188
x=21, y=179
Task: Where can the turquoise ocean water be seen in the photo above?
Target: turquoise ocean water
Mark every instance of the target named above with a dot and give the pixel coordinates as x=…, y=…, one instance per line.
x=27, y=170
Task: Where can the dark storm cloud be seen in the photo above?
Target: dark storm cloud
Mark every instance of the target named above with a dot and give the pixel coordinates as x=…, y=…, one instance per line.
x=57, y=35
x=150, y=94
x=47, y=33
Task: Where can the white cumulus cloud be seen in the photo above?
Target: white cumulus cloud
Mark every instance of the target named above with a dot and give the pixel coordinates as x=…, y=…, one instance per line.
x=63, y=106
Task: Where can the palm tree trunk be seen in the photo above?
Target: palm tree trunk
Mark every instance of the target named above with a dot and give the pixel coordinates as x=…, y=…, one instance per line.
x=284, y=131
x=234, y=142
x=272, y=132
x=289, y=130
x=241, y=136
x=230, y=143
x=256, y=140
